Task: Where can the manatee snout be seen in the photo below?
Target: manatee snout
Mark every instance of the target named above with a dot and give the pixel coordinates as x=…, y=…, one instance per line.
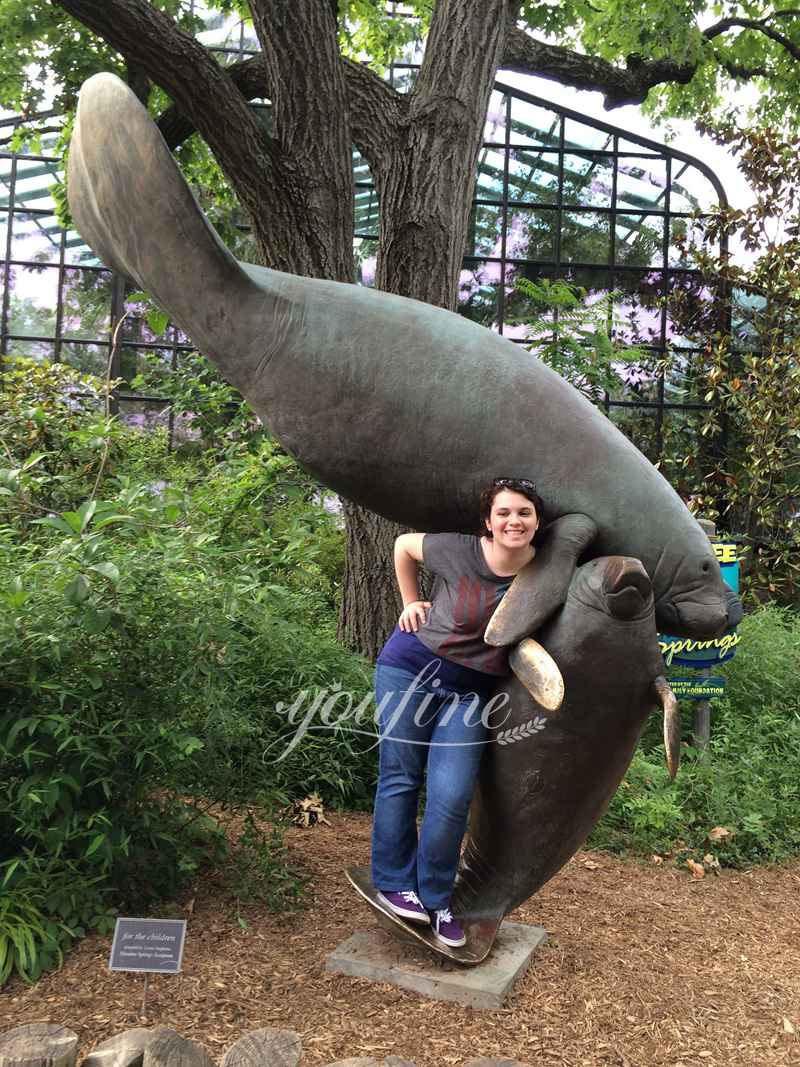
x=702, y=618
x=626, y=587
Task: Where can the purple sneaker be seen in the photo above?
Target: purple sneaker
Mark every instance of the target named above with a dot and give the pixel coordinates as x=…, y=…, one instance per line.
x=447, y=930
x=406, y=904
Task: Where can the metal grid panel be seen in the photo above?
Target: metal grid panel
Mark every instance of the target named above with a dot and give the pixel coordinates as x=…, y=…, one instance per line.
x=557, y=195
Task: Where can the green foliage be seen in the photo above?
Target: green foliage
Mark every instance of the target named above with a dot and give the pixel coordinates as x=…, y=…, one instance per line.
x=53, y=433
x=748, y=473
x=38, y=40
x=748, y=782
x=368, y=30
x=196, y=389
x=573, y=336
x=145, y=660
x=262, y=871
x=151, y=634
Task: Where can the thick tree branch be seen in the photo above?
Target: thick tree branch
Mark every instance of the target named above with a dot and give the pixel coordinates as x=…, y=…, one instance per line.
x=250, y=78
x=376, y=110
x=188, y=72
x=753, y=24
x=425, y=188
x=628, y=85
x=741, y=72
x=311, y=124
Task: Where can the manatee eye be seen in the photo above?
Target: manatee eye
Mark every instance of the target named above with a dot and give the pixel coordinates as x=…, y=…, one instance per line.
x=705, y=568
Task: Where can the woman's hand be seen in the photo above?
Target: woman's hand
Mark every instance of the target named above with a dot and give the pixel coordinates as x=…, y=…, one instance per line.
x=414, y=616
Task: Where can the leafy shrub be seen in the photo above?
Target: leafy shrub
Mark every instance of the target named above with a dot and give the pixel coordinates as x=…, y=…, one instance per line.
x=744, y=470
x=145, y=659
x=152, y=621
x=54, y=430
x=748, y=782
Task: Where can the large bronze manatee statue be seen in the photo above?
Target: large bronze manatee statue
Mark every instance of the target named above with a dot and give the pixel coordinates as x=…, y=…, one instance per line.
x=410, y=410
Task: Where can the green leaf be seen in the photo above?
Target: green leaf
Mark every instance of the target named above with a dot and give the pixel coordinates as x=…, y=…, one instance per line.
x=95, y=622
x=157, y=321
x=74, y=520
x=108, y=570
x=56, y=522
x=12, y=866
x=109, y=519
x=95, y=844
x=77, y=591
x=19, y=725
x=85, y=513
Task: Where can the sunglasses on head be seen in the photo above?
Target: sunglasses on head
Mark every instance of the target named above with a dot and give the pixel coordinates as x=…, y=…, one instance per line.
x=511, y=483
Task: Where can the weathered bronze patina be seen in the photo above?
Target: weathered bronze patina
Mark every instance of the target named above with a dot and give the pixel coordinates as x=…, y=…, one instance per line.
x=547, y=777
x=403, y=407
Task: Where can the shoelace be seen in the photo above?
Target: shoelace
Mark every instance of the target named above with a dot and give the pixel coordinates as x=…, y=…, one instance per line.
x=412, y=898
x=443, y=915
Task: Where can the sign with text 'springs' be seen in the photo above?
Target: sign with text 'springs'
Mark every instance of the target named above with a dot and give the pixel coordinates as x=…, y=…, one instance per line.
x=151, y=945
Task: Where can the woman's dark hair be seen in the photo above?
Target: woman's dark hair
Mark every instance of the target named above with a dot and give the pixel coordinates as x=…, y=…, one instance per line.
x=522, y=486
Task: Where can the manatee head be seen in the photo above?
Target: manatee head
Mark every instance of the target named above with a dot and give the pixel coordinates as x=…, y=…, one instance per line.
x=616, y=585
x=692, y=600
x=604, y=640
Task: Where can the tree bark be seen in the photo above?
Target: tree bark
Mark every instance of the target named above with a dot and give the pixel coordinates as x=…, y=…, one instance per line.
x=426, y=176
x=311, y=125
x=371, y=600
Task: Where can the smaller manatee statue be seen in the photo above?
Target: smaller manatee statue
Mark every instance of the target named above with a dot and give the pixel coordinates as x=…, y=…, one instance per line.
x=550, y=775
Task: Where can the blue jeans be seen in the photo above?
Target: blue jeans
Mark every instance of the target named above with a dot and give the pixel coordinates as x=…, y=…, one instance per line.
x=421, y=725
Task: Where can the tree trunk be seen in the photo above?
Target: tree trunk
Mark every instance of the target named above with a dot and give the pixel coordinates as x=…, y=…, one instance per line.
x=371, y=600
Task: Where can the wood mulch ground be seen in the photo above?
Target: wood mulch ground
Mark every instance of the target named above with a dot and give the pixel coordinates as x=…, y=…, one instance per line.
x=645, y=965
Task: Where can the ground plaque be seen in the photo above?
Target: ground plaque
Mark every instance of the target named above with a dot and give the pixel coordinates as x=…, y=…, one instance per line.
x=154, y=946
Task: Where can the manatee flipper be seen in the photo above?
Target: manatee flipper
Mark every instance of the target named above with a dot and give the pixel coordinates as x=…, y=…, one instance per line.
x=131, y=203
x=735, y=609
x=672, y=723
x=541, y=587
x=538, y=671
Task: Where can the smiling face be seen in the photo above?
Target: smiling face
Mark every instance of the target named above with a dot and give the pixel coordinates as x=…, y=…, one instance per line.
x=512, y=521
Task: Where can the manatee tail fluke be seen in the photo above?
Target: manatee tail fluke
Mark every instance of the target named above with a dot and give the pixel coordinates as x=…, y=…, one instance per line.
x=672, y=723
x=132, y=205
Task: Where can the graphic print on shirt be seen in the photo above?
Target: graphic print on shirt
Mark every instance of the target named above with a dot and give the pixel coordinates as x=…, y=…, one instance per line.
x=475, y=603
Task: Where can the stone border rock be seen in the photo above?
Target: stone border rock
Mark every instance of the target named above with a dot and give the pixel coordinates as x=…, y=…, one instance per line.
x=49, y=1045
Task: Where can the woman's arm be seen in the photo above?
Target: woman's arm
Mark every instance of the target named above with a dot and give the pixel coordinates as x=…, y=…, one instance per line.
x=407, y=558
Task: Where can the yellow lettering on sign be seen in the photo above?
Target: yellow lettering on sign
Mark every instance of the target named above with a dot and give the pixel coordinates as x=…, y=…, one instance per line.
x=725, y=553
x=677, y=647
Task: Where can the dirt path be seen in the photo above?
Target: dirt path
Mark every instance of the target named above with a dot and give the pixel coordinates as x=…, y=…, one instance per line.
x=645, y=966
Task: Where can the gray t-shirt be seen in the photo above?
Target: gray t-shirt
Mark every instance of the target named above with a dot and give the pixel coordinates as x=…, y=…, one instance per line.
x=465, y=594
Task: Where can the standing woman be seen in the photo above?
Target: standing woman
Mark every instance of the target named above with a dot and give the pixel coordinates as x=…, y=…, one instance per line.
x=432, y=680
